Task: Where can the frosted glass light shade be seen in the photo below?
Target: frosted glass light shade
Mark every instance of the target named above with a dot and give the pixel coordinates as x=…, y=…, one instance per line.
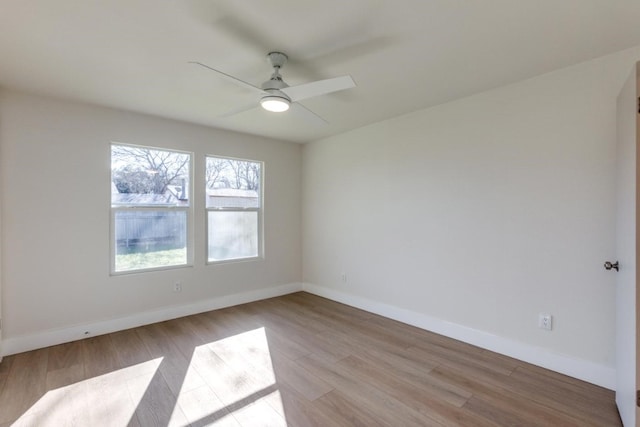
x=276, y=104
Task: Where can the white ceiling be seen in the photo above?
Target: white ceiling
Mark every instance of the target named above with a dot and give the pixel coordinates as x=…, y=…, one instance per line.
x=404, y=55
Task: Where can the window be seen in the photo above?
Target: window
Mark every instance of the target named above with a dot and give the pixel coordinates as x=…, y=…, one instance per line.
x=234, y=209
x=150, y=209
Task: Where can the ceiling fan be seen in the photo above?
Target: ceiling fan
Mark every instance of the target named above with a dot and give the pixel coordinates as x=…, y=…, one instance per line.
x=277, y=96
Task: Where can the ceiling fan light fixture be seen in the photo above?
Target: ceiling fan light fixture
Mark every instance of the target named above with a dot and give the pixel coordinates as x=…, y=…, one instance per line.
x=276, y=104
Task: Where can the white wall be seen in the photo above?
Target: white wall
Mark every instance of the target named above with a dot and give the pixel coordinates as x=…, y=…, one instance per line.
x=55, y=172
x=480, y=213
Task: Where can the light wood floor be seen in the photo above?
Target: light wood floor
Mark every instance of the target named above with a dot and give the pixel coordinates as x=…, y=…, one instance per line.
x=297, y=360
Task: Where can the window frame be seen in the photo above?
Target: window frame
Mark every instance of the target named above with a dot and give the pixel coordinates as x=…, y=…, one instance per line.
x=151, y=208
x=259, y=210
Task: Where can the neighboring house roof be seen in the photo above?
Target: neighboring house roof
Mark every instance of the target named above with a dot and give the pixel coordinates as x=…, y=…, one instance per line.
x=216, y=198
x=232, y=198
x=171, y=197
x=132, y=199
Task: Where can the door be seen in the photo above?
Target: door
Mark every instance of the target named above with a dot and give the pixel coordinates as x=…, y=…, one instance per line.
x=626, y=251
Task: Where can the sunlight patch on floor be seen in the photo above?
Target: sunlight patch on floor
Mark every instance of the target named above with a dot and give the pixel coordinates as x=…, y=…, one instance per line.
x=230, y=381
x=240, y=381
x=96, y=401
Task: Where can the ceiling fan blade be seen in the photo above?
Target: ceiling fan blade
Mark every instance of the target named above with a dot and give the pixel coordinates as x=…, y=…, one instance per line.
x=320, y=87
x=232, y=79
x=239, y=110
x=304, y=113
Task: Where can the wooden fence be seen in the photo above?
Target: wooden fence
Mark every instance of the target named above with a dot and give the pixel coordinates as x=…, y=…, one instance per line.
x=150, y=230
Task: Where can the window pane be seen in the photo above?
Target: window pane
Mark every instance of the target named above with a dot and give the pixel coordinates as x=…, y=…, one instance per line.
x=232, y=183
x=148, y=239
x=232, y=235
x=147, y=177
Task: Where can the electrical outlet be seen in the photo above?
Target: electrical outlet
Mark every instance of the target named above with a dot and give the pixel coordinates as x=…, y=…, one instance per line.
x=177, y=287
x=343, y=277
x=545, y=321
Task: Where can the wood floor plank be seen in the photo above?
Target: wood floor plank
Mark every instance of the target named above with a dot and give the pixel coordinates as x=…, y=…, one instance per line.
x=444, y=356
x=298, y=378
x=76, y=408
x=439, y=405
x=507, y=362
x=398, y=361
x=387, y=408
x=65, y=365
x=99, y=356
x=65, y=376
x=295, y=325
x=282, y=343
x=403, y=390
x=206, y=328
x=129, y=348
x=303, y=341
x=309, y=319
x=183, y=336
x=174, y=367
x=106, y=399
x=65, y=355
x=416, y=375
x=25, y=384
x=249, y=352
x=5, y=366
x=202, y=407
x=597, y=393
x=363, y=328
x=503, y=398
x=347, y=412
x=297, y=410
x=235, y=386
x=158, y=405
x=259, y=413
x=231, y=321
x=329, y=307
x=563, y=397
x=497, y=414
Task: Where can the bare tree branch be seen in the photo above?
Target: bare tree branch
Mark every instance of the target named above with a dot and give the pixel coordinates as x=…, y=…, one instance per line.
x=162, y=168
x=215, y=171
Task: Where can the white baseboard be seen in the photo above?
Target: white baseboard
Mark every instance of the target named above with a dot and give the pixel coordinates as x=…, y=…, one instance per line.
x=582, y=369
x=591, y=372
x=50, y=337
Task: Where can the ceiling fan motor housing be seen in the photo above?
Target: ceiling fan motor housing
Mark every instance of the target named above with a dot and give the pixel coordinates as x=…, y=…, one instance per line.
x=275, y=83
x=277, y=59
